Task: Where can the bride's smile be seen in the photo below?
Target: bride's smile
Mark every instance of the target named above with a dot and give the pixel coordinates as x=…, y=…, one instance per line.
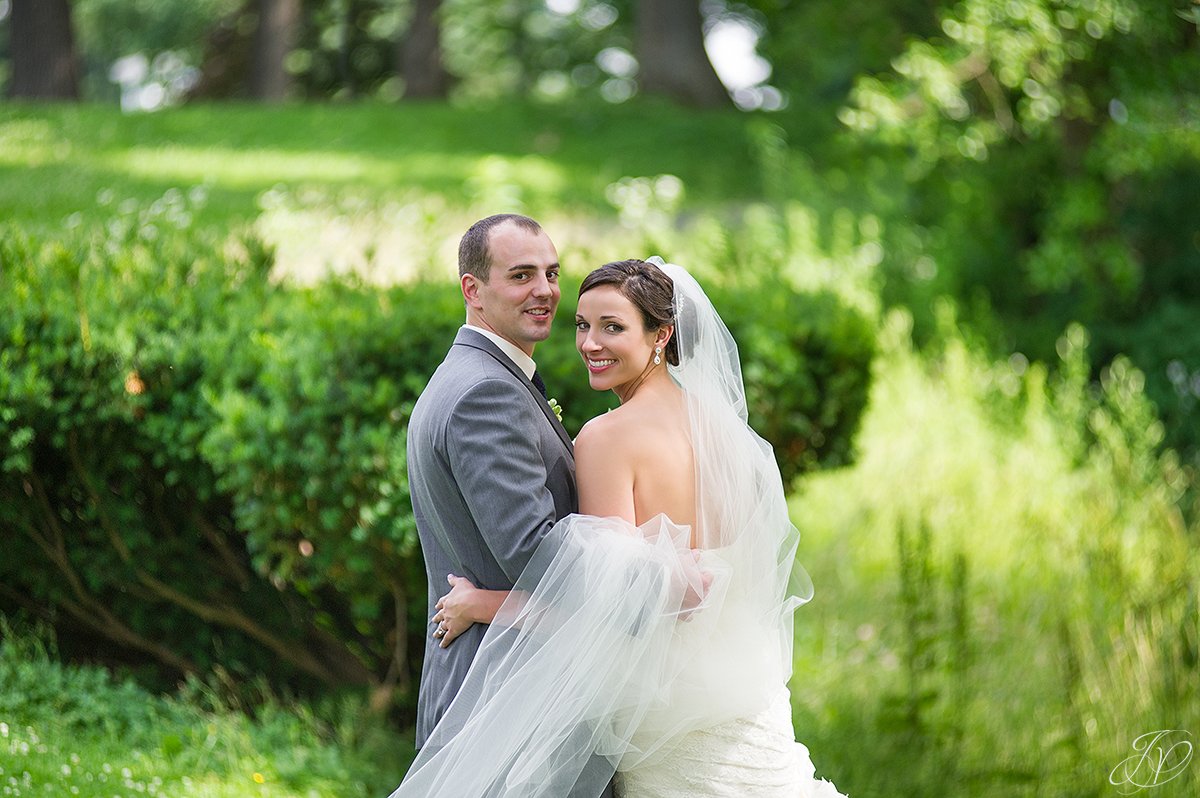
x=612, y=340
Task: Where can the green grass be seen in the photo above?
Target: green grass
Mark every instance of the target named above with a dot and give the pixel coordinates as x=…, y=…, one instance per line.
x=381, y=190
x=56, y=161
x=78, y=731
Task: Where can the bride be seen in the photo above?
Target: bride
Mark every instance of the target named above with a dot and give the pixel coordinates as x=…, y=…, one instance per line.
x=651, y=635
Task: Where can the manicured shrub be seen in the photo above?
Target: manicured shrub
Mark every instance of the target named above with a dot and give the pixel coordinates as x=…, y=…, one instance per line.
x=205, y=468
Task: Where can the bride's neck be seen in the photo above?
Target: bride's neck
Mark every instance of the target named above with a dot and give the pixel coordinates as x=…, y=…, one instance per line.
x=653, y=381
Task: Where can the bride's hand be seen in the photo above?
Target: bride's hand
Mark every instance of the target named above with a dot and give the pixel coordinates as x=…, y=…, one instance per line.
x=455, y=613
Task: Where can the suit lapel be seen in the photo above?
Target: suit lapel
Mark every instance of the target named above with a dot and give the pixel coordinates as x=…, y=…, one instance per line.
x=476, y=341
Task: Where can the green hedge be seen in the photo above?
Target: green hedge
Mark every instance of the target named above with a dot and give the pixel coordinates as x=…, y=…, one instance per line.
x=204, y=469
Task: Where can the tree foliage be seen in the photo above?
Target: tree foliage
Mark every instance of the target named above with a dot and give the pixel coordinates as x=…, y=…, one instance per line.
x=1046, y=143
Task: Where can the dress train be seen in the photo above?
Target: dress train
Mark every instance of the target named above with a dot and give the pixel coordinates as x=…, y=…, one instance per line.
x=754, y=757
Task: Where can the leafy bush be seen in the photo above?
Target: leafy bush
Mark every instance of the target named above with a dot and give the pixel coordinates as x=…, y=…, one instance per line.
x=806, y=361
x=37, y=689
x=80, y=731
x=1006, y=578
x=103, y=354
x=205, y=469
x=142, y=503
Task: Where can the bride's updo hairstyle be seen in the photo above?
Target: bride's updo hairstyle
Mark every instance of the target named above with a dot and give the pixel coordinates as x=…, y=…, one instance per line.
x=648, y=288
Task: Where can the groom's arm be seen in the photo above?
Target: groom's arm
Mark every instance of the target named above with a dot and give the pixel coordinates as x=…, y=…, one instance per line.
x=494, y=455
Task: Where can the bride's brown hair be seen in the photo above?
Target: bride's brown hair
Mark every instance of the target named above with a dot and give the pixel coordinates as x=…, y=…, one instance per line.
x=650, y=290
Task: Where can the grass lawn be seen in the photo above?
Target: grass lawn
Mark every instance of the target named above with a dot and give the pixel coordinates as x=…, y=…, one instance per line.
x=56, y=161
x=77, y=731
x=382, y=190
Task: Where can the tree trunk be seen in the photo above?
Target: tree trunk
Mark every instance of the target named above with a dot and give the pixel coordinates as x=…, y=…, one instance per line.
x=425, y=77
x=671, y=57
x=278, y=25
x=44, y=63
x=225, y=64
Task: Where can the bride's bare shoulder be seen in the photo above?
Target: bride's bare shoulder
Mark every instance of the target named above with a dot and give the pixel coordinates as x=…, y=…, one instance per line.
x=609, y=433
x=627, y=430
x=606, y=433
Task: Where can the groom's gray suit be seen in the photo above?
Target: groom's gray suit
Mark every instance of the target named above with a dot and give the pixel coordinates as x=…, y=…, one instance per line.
x=490, y=471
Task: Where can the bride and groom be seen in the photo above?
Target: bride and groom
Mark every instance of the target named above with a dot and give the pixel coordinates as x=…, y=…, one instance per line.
x=609, y=616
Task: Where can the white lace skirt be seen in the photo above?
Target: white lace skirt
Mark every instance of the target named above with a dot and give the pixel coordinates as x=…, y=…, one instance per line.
x=755, y=757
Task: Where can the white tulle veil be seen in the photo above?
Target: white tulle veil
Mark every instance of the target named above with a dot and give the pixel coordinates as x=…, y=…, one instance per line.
x=601, y=658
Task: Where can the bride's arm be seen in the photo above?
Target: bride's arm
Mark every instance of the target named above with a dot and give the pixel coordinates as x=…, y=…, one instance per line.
x=464, y=606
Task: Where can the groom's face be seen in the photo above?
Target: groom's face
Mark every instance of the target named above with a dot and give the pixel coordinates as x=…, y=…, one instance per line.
x=520, y=296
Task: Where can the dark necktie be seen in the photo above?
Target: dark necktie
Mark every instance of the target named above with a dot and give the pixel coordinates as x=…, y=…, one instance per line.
x=537, y=383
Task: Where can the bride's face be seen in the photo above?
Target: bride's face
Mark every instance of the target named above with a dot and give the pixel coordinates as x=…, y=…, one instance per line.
x=612, y=339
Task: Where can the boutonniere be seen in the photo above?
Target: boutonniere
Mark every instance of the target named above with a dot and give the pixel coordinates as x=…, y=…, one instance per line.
x=556, y=407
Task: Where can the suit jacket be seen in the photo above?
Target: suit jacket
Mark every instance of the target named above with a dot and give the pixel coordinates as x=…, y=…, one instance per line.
x=490, y=471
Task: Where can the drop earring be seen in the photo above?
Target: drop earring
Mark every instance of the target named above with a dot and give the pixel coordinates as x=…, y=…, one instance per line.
x=657, y=352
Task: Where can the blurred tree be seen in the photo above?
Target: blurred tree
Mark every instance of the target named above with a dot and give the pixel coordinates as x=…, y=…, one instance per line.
x=317, y=48
x=421, y=64
x=274, y=37
x=269, y=49
x=530, y=47
x=225, y=60
x=45, y=65
x=139, y=51
x=817, y=50
x=670, y=53
x=1043, y=142
x=348, y=48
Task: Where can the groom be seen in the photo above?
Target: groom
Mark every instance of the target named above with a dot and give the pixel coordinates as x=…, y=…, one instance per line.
x=490, y=467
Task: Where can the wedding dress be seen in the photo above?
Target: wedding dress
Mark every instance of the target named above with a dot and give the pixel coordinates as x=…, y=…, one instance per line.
x=611, y=655
x=754, y=757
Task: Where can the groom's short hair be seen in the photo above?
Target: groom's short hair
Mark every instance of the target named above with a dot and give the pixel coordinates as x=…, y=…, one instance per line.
x=474, y=255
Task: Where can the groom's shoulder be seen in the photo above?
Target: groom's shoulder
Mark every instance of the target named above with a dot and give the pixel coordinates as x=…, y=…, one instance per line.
x=464, y=371
x=466, y=362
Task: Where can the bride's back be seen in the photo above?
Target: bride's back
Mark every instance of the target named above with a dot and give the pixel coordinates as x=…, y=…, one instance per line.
x=664, y=469
x=637, y=461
